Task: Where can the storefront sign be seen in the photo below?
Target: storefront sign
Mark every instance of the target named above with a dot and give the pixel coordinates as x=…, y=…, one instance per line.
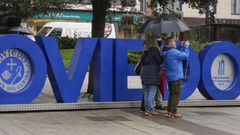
x=82, y=15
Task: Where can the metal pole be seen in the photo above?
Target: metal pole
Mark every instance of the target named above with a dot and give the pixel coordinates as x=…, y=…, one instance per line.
x=144, y=6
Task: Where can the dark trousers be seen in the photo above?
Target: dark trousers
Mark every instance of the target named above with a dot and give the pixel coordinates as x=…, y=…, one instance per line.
x=174, y=95
x=158, y=98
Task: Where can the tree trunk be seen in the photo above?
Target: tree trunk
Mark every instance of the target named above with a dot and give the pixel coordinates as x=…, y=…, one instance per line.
x=99, y=14
x=98, y=24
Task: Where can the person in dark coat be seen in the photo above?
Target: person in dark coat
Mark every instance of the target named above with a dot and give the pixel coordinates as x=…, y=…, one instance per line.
x=161, y=87
x=150, y=73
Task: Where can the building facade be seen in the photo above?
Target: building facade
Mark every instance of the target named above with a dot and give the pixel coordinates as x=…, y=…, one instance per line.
x=82, y=12
x=226, y=25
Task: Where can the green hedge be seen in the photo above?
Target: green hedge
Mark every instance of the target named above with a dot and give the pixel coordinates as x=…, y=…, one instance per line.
x=66, y=42
x=197, y=45
x=133, y=56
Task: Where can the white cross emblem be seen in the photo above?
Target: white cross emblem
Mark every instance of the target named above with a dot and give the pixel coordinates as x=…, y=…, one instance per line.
x=11, y=64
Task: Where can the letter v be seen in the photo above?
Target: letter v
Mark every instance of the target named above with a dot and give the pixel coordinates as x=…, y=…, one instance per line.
x=67, y=85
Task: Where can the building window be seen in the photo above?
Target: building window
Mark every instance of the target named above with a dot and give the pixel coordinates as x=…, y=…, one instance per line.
x=127, y=3
x=80, y=1
x=178, y=5
x=235, y=7
x=175, y=5
x=57, y=32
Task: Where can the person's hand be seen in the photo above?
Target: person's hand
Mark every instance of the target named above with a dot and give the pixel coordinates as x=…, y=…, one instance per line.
x=187, y=43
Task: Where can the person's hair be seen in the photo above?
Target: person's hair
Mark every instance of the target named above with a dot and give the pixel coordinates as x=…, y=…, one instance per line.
x=150, y=41
x=169, y=39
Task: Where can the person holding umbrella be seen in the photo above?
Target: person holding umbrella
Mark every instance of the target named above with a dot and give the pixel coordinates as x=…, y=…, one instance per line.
x=162, y=25
x=150, y=73
x=161, y=85
x=174, y=70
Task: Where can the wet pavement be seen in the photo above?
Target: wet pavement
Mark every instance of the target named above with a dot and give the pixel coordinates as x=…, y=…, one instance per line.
x=129, y=121
x=195, y=121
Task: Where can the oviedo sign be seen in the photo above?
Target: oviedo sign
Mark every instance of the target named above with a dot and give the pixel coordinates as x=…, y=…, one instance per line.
x=24, y=66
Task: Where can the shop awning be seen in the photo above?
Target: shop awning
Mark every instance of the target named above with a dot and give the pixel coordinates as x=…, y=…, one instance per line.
x=83, y=15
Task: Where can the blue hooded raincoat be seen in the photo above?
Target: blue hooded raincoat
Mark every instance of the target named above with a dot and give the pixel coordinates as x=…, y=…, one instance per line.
x=173, y=61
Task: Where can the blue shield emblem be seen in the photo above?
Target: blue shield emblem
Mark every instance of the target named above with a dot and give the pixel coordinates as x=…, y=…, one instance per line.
x=15, y=70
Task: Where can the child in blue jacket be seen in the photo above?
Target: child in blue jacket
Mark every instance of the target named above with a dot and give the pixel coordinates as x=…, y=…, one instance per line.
x=174, y=69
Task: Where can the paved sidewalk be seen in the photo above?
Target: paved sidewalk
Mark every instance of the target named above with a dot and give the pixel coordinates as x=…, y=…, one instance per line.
x=196, y=121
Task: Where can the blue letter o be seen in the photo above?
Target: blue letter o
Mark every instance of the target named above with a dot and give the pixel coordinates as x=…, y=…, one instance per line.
x=22, y=70
x=210, y=83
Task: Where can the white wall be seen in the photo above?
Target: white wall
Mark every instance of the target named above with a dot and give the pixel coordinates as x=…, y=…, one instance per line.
x=223, y=11
x=189, y=12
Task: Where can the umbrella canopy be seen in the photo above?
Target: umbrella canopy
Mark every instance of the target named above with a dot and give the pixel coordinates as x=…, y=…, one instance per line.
x=163, y=25
x=20, y=30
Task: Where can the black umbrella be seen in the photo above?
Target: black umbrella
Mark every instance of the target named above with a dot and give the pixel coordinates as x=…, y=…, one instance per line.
x=163, y=25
